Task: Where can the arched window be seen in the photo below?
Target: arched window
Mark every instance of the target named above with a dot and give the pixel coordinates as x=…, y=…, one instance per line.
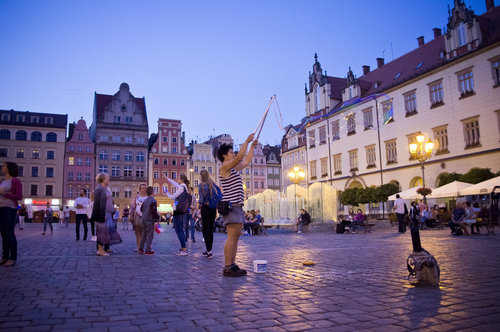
x=416, y=182
x=4, y=134
x=462, y=35
x=316, y=97
x=21, y=135
x=51, y=137
x=36, y=136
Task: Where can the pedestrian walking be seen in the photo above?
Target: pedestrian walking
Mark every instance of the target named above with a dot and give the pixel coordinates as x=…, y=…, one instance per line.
x=66, y=215
x=401, y=213
x=81, y=205
x=125, y=215
x=234, y=195
x=209, y=196
x=136, y=214
x=11, y=191
x=183, y=201
x=150, y=216
x=23, y=214
x=48, y=218
x=102, y=215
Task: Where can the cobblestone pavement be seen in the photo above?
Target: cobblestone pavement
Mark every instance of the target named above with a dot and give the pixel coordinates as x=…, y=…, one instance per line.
x=358, y=283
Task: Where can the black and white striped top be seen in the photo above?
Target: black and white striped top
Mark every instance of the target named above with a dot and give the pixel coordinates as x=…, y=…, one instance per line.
x=232, y=188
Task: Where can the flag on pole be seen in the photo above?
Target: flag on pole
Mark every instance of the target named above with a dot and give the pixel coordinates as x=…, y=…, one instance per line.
x=159, y=229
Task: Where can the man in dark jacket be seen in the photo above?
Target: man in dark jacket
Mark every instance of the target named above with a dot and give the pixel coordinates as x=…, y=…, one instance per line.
x=304, y=220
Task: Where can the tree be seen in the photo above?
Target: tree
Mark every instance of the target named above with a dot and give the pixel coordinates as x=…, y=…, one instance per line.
x=350, y=196
x=446, y=178
x=476, y=175
x=367, y=195
x=382, y=193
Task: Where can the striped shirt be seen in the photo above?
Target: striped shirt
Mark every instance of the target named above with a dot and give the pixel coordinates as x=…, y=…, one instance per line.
x=232, y=188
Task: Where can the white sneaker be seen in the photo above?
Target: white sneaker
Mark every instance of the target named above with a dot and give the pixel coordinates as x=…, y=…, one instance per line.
x=93, y=238
x=299, y=232
x=182, y=253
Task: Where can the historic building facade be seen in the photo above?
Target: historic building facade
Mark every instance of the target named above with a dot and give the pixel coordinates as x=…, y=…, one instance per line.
x=120, y=133
x=202, y=158
x=359, y=128
x=254, y=176
x=168, y=158
x=35, y=141
x=293, y=152
x=273, y=165
x=79, y=163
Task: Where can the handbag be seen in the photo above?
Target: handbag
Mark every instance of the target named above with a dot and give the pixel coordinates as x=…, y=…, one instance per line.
x=224, y=207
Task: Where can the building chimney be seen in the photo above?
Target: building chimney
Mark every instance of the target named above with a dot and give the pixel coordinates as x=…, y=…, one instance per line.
x=437, y=32
x=420, y=41
x=490, y=4
x=380, y=62
x=366, y=69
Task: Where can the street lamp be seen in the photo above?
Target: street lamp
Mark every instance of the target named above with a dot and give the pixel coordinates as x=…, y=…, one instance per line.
x=296, y=174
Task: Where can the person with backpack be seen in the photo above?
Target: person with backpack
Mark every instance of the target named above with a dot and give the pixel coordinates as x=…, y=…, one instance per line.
x=183, y=200
x=210, y=196
x=49, y=215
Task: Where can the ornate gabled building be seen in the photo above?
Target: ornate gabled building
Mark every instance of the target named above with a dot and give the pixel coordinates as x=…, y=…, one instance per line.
x=202, y=158
x=293, y=151
x=254, y=176
x=359, y=128
x=273, y=163
x=120, y=133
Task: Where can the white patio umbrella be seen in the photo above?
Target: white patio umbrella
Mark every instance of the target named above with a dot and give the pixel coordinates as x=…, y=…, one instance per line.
x=407, y=194
x=484, y=187
x=449, y=190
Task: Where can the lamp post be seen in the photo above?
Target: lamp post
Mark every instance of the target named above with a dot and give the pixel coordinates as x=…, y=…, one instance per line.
x=420, y=151
x=296, y=174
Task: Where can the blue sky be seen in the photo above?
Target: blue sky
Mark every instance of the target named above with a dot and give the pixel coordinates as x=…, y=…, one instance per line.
x=212, y=64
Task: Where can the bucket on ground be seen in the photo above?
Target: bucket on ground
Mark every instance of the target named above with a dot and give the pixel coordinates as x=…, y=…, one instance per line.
x=259, y=266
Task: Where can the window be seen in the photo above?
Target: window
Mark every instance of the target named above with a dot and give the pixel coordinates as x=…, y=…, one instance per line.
x=174, y=162
x=139, y=156
x=324, y=167
x=196, y=169
x=256, y=184
x=116, y=119
x=174, y=150
x=115, y=170
x=316, y=97
x=116, y=155
x=20, y=118
x=21, y=135
x=269, y=182
x=140, y=140
x=269, y=170
x=337, y=164
x=322, y=135
x=51, y=137
x=70, y=176
x=50, y=154
x=353, y=160
x=21, y=170
x=183, y=162
x=34, y=190
x=87, y=162
x=436, y=93
x=312, y=170
x=87, y=177
x=335, y=130
x=36, y=136
x=312, y=138
x=127, y=156
x=127, y=171
x=371, y=156
x=351, y=124
x=35, y=154
x=471, y=132
x=196, y=183
x=495, y=71
x=156, y=189
x=165, y=161
x=156, y=175
x=79, y=176
x=462, y=36
x=465, y=83
x=103, y=168
x=20, y=153
x=117, y=139
x=391, y=151
x=4, y=134
x=174, y=175
x=276, y=170
x=165, y=174
x=128, y=120
x=34, y=171
x=104, y=138
x=128, y=139
x=87, y=149
x=410, y=102
x=128, y=193
x=49, y=120
x=387, y=111
x=210, y=169
x=34, y=119
x=441, y=139
x=164, y=149
x=4, y=152
x=174, y=139
x=79, y=161
x=71, y=148
x=70, y=192
x=5, y=117
x=103, y=155
x=262, y=184
x=247, y=171
x=165, y=139
x=49, y=190
x=80, y=137
x=368, y=118
x=115, y=193
x=156, y=161
x=139, y=172
x=174, y=189
x=49, y=172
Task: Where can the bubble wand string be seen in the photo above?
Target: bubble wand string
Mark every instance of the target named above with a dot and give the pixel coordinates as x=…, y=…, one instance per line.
x=263, y=119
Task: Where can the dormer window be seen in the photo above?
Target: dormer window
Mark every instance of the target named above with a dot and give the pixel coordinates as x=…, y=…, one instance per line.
x=316, y=97
x=34, y=119
x=462, y=36
x=49, y=120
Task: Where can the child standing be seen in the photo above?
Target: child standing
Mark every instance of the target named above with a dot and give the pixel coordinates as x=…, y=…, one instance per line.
x=149, y=217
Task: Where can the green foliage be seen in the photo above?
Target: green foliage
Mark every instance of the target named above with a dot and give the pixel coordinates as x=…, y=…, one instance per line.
x=367, y=195
x=350, y=196
x=476, y=175
x=383, y=192
x=446, y=178
x=356, y=196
